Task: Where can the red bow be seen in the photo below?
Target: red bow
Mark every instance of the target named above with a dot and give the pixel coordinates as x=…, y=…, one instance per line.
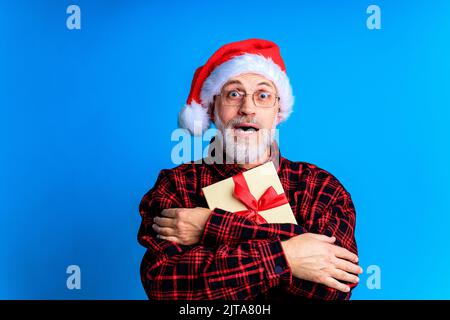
x=270, y=199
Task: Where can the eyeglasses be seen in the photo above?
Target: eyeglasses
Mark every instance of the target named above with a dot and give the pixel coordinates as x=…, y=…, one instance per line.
x=261, y=98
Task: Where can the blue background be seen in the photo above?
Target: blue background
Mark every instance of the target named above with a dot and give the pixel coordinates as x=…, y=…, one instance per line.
x=86, y=117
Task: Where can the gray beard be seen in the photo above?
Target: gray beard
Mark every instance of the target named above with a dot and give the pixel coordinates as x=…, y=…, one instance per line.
x=239, y=149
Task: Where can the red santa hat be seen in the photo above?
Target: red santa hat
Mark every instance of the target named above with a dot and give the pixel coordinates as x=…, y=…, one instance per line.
x=248, y=56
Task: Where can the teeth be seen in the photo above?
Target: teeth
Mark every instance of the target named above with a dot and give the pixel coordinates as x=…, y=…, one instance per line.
x=246, y=130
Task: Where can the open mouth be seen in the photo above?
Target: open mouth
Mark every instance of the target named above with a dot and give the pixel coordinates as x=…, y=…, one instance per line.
x=246, y=128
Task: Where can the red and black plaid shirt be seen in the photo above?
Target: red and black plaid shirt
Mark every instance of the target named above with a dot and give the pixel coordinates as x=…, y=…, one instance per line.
x=236, y=258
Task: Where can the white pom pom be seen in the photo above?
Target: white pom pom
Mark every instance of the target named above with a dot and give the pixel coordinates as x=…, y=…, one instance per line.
x=195, y=118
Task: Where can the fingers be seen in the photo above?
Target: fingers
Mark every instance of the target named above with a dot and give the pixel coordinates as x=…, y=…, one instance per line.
x=323, y=237
x=333, y=283
x=338, y=251
x=345, y=254
x=164, y=231
x=169, y=238
x=343, y=276
x=347, y=266
x=165, y=222
x=169, y=213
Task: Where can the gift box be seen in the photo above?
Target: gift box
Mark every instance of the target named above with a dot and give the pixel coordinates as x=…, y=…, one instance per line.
x=256, y=193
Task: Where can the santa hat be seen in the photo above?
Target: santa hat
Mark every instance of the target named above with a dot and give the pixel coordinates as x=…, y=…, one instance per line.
x=248, y=56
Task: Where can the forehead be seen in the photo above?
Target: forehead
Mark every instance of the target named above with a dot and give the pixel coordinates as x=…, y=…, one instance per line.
x=249, y=80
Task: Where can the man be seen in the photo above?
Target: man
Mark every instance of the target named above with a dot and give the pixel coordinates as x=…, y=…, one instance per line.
x=197, y=253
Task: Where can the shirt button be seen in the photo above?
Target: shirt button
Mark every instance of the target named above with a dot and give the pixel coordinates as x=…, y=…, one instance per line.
x=278, y=269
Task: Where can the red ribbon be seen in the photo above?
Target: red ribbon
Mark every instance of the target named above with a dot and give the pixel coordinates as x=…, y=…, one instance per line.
x=270, y=199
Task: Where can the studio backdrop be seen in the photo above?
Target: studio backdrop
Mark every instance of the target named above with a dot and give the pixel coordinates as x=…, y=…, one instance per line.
x=90, y=92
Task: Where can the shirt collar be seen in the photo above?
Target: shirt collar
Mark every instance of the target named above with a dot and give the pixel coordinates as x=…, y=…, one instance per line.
x=227, y=170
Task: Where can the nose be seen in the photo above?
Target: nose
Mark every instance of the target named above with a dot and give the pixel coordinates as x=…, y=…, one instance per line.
x=247, y=107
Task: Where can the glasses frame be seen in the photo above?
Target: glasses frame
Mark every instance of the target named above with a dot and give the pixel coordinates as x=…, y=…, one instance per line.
x=245, y=94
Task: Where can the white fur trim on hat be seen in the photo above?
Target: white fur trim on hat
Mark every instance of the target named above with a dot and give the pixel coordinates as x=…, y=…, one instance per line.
x=249, y=63
x=195, y=118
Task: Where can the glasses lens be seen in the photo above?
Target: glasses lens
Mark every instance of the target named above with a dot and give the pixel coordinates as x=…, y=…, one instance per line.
x=232, y=97
x=264, y=99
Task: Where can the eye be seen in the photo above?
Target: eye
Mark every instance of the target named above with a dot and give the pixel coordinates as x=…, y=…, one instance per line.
x=264, y=95
x=234, y=94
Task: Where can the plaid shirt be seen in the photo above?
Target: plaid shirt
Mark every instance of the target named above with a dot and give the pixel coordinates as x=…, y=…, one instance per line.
x=236, y=258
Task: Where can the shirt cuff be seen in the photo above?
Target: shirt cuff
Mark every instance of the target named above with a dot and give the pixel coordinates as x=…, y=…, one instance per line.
x=219, y=227
x=276, y=267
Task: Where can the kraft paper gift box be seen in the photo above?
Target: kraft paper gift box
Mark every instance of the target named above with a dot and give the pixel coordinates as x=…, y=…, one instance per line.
x=254, y=193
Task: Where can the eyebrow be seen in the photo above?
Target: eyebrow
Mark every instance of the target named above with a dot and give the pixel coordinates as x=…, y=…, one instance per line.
x=233, y=82
x=265, y=83
x=238, y=82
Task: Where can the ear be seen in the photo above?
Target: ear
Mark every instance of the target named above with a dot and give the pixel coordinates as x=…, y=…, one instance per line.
x=278, y=118
x=211, y=111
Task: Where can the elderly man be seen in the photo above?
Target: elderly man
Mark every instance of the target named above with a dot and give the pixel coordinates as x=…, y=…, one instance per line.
x=197, y=253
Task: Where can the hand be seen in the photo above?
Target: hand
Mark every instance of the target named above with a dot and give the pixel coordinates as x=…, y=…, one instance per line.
x=181, y=225
x=315, y=258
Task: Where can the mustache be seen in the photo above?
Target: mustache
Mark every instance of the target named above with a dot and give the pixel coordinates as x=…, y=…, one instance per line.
x=242, y=119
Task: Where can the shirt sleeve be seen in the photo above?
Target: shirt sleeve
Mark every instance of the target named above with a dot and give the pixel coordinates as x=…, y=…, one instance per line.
x=224, y=227
x=171, y=271
x=338, y=219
